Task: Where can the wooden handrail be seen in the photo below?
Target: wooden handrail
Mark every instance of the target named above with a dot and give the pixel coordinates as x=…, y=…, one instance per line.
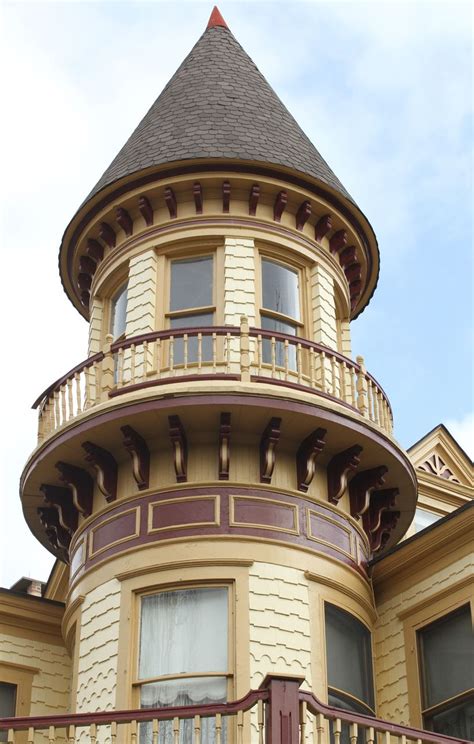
x=78, y=368
x=176, y=333
x=316, y=706
x=135, y=714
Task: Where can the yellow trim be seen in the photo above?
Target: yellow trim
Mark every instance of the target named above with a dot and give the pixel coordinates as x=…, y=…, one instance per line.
x=234, y=523
x=353, y=594
x=92, y=553
x=79, y=546
x=22, y=677
x=197, y=563
x=216, y=522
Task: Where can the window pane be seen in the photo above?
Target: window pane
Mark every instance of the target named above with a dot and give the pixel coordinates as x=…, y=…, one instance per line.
x=458, y=721
x=448, y=657
x=349, y=658
x=7, y=704
x=194, y=691
x=280, y=289
x=183, y=632
x=191, y=283
x=192, y=321
x=270, y=324
x=119, y=312
x=424, y=518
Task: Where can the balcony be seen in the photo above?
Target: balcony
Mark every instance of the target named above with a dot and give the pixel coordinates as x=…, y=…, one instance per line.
x=249, y=355
x=279, y=712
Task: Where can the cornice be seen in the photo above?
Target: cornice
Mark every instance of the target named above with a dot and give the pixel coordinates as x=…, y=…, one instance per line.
x=33, y=613
x=414, y=555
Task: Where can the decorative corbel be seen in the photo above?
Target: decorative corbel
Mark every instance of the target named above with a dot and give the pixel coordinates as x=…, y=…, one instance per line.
x=224, y=446
x=61, y=499
x=171, y=203
x=124, y=220
x=380, y=502
x=355, y=288
x=49, y=518
x=198, y=198
x=353, y=272
x=106, y=467
x=84, y=281
x=253, y=199
x=380, y=537
x=348, y=256
x=338, y=470
x=225, y=196
x=85, y=298
x=322, y=227
x=306, y=456
x=280, y=205
x=362, y=485
x=140, y=454
x=268, y=444
x=87, y=265
x=94, y=250
x=146, y=210
x=107, y=234
x=180, y=448
x=81, y=485
x=338, y=241
x=303, y=214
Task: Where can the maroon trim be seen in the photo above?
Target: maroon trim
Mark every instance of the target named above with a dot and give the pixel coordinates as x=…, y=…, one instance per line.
x=123, y=219
x=268, y=445
x=362, y=485
x=198, y=197
x=207, y=167
x=306, y=456
x=338, y=470
x=171, y=203
x=179, y=446
x=87, y=265
x=106, y=466
x=78, y=368
x=61, y=499
x=134, y=714
x=348, y=256
x=94, y=249
x=303, y=214
x=280, y=205
x=107, y=234
x=81, y=484
x=170, y=381
x=322, y=227
x=226, y=197
x=253, y=199
x=338, y=241
x=224, y=446
x=303, y=388
x=138, y=450
x=146, y=210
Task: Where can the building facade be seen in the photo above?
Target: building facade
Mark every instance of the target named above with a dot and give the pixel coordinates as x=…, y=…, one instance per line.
x=218, y=479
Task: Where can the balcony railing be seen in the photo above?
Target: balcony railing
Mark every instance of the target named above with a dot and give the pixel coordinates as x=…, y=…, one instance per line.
x=215, y=352
x=278, y=713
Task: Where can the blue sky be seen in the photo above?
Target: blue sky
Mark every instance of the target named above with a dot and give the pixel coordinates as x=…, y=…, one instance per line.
x=383, y=90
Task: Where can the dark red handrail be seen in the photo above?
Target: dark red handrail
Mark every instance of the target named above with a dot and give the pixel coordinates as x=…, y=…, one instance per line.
x=235, y=331
x=139, y=715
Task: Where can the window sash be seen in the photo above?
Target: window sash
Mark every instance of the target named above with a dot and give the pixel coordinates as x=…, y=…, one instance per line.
x=281, y=289
x=118, y=312
x=191, y=283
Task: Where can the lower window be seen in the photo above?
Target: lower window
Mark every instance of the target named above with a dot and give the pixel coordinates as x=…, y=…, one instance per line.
x=447, y=674
x=349, y=666
x=7, y=704
x=183, y=656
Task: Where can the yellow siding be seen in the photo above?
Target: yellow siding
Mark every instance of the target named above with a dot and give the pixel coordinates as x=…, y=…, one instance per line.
x=95, y=326
x=323, y=307
x=141, y=297
x=98, y=649
x=391, y=655
x=280, y=640
x=51, y=685
x=239, y=277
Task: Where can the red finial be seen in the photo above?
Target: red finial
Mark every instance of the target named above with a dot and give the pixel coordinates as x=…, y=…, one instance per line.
x=216, y=19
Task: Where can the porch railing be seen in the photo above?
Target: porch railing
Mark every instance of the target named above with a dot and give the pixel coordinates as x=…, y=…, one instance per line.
x=216, y=352
x=277, y=713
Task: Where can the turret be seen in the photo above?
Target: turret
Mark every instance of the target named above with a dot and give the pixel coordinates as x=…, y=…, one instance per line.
x=218, y=449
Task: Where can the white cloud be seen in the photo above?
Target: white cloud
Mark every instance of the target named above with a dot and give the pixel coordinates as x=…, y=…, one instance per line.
x=463, y=431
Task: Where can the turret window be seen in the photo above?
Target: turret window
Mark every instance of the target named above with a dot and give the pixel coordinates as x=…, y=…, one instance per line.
x=447, y=671
x=118, y=315
x=192, y=304
x=349, y=662
x=281, y=311
x=183, y=656
x=7, y=704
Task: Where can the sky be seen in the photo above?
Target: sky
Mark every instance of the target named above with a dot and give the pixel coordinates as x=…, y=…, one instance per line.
x=384, y=90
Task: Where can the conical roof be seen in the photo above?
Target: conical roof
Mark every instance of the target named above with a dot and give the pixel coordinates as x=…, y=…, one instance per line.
x=218, y=105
